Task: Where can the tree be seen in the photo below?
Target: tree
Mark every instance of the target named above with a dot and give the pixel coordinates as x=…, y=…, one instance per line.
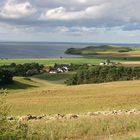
x=100, y=74
x=6, y=76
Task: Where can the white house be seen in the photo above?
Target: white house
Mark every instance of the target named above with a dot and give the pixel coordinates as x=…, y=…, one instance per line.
x=52, y=72
x=59, y=70
x=65, y=68
x=106, y=63
x=102, y=63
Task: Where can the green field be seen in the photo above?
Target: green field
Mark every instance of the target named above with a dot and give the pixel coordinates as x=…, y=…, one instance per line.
x=52, y=61
x=82, y=60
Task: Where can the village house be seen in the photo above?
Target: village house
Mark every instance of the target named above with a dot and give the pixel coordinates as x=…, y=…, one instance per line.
x=60, y=68
x=107, y=63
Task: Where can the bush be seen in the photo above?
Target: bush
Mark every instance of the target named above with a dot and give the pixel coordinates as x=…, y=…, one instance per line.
x=6, y=76
x=10, y=130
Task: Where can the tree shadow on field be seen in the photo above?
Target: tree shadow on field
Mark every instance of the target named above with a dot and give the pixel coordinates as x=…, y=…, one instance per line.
x=58, y=78
x=16, y=86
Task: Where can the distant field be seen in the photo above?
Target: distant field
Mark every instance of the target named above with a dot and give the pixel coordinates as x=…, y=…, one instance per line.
x=82, y=60
x=52, y=61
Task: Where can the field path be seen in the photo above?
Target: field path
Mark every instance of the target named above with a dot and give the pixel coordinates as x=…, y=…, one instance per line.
x=46, y=84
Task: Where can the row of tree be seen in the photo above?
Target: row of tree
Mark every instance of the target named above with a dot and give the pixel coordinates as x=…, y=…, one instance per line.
x=101, y=74
x=22, y=69
x=8, y=71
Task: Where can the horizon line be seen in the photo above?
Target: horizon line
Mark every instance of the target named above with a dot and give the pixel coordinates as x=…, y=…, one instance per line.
x=68, y=42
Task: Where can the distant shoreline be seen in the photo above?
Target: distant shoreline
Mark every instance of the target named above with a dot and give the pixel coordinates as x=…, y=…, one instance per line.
x=37, y=50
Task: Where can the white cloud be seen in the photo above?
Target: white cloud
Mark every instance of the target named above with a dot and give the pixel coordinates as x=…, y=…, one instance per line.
x=120, y=10
x=61, y=13
x=79, y=2
x=61, y=29
x=99, y=18
x=87, y=30
x=12, y=9
x=6, y=28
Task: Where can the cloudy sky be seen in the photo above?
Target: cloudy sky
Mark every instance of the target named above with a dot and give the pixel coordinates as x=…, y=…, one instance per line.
x=116, y=21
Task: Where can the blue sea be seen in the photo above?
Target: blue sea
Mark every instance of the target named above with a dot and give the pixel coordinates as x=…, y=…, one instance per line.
x=43, y=49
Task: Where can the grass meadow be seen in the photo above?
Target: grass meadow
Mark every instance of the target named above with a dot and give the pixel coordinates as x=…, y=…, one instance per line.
x=98, y=128
x=42, y=96
x=52, y=61
x=53, y=98
x=81, y=60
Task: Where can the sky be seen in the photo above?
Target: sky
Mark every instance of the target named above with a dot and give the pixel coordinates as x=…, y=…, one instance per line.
x=100, y=21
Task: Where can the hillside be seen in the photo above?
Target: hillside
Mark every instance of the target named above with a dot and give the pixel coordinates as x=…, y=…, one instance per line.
x=44, y=95
x=101, y=50
x=47, y=94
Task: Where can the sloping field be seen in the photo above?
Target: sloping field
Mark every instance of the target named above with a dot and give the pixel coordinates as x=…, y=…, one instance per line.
x=50, y=97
